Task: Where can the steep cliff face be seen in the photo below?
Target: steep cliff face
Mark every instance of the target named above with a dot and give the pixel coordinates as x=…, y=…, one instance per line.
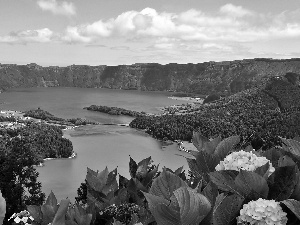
x=203, y=78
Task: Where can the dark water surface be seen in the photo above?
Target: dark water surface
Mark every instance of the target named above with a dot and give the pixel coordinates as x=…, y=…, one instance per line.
x=97, y=146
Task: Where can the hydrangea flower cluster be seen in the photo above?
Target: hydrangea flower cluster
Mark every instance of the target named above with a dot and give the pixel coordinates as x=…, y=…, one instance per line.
x=22, y=217
x=243, y=160
x=122, y=213
x=262, y=212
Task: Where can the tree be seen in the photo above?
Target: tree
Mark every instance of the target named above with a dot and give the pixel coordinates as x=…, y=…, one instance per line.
x=18, y=177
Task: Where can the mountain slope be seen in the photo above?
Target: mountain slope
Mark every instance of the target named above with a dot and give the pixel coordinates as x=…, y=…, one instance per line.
x=204, y=78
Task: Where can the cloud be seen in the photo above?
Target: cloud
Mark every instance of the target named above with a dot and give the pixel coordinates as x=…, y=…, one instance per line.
x=230, y=24
x=228, y=29
x=63, y=8
x=29, y=36
x=235, y=11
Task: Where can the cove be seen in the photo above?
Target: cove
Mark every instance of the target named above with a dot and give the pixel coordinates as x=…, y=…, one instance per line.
x=97, y=146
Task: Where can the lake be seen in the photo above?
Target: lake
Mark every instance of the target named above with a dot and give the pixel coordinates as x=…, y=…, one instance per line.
x=97, y=146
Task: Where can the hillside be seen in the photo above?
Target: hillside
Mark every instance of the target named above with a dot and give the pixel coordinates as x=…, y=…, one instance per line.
x=258, y=115
x=203, y=78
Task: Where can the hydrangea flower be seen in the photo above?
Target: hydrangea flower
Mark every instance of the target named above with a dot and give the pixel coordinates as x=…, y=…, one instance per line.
x=243, y=160
x=262, y=212
x=22, y=217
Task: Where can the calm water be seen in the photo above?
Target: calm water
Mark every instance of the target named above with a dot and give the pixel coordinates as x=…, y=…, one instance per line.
x=97, y=146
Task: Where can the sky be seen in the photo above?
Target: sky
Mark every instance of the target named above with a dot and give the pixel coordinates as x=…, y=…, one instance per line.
x=117, y=32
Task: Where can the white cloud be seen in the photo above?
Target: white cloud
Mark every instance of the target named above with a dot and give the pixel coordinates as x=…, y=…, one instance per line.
x=235, y=11
x=29, y=36
x=227, y=29
x=63, y=8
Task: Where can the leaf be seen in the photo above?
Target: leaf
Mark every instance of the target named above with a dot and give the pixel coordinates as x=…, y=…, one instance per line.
x=206, y=163
x=154, y=200
x=263, y=170
x=194, y=168
x=293, y=146
x=293, y=205
x=211, y=192
x=132, y=168
x=51, y=200
x=103, y=176
x=282, y=183
x=165, y=215
x=123, y=181
x=225, y=146
x=142, y=167
x=252, y=185
x=193, y=206
x=59, y=218
x=227, y=209
x=225, y=180
x=81, y=217
x=165, y=184
x=199, y=140
x=36, y=212
x=296, y=193
x=273, y=155
x=97, y=181
x=210, y=147
x=162, y=210
x=178, y=171
x=149, y=176
x=285, y=161
x=48, y=213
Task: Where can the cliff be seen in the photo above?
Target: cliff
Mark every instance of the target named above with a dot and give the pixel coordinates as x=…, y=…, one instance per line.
x=202, y=78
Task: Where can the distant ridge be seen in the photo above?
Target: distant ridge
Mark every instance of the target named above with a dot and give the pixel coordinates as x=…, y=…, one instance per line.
x=224, y=78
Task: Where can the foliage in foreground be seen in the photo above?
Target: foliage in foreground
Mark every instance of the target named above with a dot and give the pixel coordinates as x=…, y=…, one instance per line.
x=261, y=194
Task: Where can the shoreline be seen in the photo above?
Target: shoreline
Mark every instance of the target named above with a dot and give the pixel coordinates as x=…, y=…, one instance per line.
x=74, y=155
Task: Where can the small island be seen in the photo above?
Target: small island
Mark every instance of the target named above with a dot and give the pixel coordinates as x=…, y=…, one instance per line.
x=115, y=110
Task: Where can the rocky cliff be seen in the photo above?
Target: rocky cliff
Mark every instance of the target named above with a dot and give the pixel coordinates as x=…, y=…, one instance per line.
x=202, y=78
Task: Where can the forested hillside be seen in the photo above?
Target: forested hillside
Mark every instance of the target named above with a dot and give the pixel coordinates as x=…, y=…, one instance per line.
x=203, y=78
x=257, y=115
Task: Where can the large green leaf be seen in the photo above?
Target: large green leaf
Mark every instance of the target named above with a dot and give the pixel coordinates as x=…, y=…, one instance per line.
x=293, y=146
x=211, y=192
x=225, y=146
x=210, y=147
x=165, y=184
x=263, y=170
x=60, y=215
x=199, y=140
x=273, y=155
x=162, y=210
x=203, y=164
x=225, y=180
x=227, y=209
x=293, y=205
x=252, y=185
x=285, y=161
x=132, y=167
x=97, y=181
x=165, y=215
x=81, y=217
x=35, y=212
x=154, y=200
x=142, y=167
x=296, y=193
x=49, y=209
x=282, y=183
x=193, y=206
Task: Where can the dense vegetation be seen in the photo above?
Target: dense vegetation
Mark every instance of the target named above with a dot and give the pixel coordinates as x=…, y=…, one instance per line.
x=208, y=195
x=22, y=148
x=46, y=116
x=259, y=116
x=114, y=110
